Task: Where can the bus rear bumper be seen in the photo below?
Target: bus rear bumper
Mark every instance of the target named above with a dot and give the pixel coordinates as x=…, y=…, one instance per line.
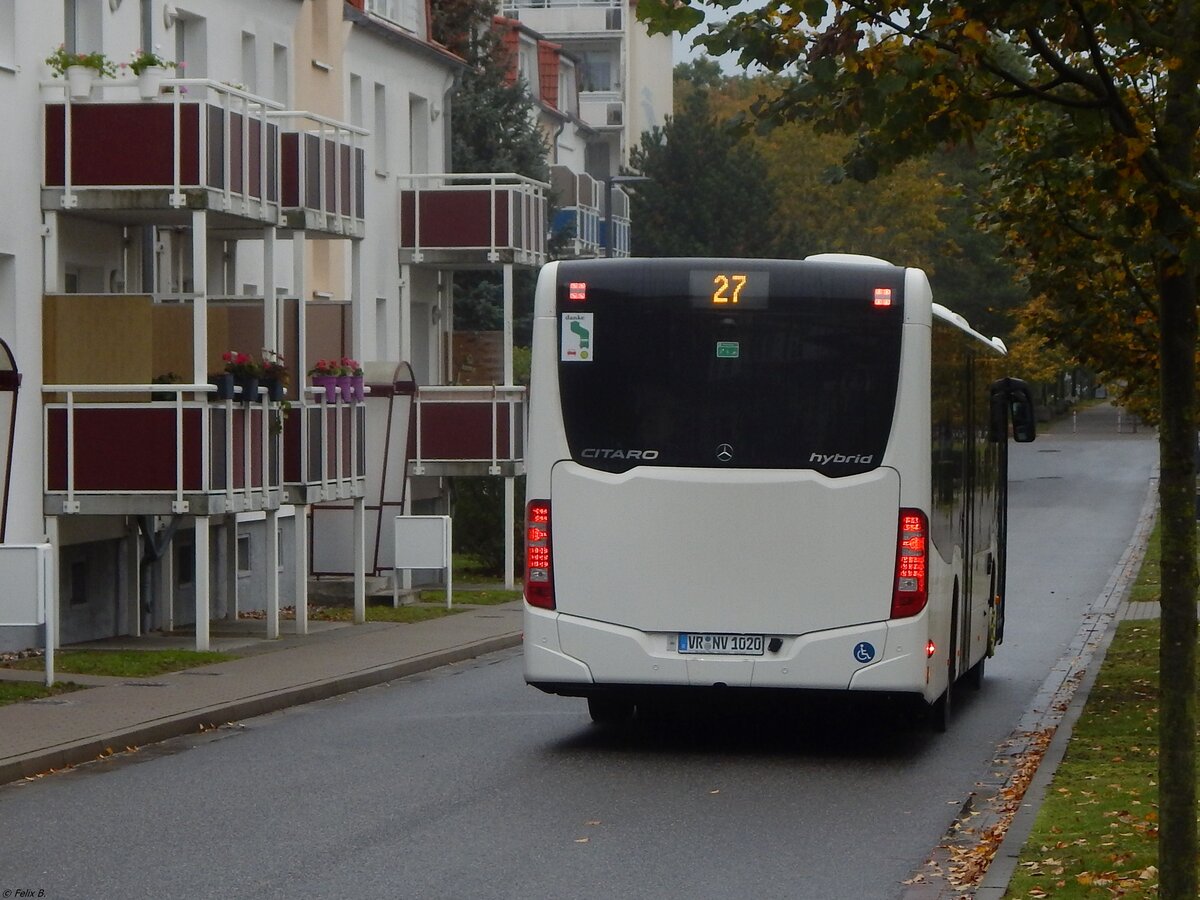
x=564, y=654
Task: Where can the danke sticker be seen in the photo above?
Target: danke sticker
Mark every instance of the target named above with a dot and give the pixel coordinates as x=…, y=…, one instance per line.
x=577, y=341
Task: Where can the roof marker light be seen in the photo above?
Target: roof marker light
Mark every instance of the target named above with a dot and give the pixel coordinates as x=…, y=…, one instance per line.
x=883, y=296
x=577, y=290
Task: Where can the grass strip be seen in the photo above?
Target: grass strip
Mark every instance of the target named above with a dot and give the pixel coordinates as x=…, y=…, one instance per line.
x=124, y=663
x=17, y=691
x=1096, y=834
x=402, y=614
x=471, y=598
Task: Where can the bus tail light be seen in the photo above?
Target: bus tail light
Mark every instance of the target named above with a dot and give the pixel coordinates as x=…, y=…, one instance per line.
x=539, y=585
x=911, y=591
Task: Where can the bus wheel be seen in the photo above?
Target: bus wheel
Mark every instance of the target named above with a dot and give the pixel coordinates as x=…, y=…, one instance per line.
x=606, y=710
x=939, y=713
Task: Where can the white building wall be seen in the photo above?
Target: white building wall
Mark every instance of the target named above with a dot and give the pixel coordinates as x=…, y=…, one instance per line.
x=36, y=34
x=404, y=102
x=302, y=53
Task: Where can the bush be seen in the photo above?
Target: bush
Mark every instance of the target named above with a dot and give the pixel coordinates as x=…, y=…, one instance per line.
x=477, y=507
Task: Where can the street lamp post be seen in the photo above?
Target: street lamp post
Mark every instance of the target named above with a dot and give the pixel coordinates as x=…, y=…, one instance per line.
x=609, y=181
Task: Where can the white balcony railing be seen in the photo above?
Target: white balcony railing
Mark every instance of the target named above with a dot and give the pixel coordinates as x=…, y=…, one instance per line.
x=235, y=150
x=472, y=217
x=458, y=427
x=176, y=450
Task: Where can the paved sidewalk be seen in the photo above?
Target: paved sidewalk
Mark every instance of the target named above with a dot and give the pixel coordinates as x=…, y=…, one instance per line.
x=116, y=713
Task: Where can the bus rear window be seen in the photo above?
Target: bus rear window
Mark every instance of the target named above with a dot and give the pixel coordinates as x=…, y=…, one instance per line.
x=770, y=368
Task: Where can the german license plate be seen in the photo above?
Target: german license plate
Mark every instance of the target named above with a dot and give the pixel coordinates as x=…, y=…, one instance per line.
x=731, y=644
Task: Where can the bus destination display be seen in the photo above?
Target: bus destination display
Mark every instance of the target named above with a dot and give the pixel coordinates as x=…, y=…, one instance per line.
x=729, y=289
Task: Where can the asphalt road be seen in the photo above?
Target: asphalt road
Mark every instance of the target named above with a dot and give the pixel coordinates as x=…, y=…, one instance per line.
x=463, y=783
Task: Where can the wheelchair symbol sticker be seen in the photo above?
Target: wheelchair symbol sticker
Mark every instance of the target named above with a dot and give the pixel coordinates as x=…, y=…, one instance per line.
x=864, y=652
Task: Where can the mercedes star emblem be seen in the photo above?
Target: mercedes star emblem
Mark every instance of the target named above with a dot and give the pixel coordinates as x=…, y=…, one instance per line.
x=724, y=452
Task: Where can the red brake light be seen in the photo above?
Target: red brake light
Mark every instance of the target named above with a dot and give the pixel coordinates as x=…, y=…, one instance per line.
x=539, y=586
x=883, y=296
x=577, y=290
x=911, y=590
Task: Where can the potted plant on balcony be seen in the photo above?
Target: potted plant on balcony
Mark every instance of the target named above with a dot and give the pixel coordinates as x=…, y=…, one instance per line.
x=166, y=378
x=325, y=376
x=150, y=69
x=350, y=381
x=80, y=69
x=246, y=372
x=274, y=375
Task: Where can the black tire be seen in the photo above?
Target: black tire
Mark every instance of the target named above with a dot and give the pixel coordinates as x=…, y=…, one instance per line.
x=610, y=710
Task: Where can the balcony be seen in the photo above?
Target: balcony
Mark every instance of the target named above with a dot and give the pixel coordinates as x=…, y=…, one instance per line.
x=603, y=110
x=577, y=221
x=204, y=145
x=472, y=221
x=558, y=18
x=118, y=443
x=619, y=222
x=322, y=164
x=468, y=431
x=324, y=453
x=182, y=456
x=189, y=455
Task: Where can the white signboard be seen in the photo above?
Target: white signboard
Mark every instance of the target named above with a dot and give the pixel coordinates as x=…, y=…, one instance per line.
x=28, y=597
x=422, y=542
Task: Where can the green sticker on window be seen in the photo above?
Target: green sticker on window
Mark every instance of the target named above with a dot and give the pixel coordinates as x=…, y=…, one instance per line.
x=728, y=349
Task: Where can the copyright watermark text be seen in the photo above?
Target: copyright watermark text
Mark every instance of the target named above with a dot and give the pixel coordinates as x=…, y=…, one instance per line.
x=22, y=893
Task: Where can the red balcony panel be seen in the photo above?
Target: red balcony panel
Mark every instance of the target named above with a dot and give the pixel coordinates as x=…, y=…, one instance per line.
x=290, y=174
x=320, y=188
x=454, y=218
x=117, y=144
x=124, y=449
x=248, y=428
x=461, y=431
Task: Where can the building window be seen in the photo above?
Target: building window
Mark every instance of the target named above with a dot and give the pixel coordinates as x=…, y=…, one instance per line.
x=356, y=100
x=8, y=35
x=245, y=560
x=402, y=12
x=418, y=134
x=191, y=44
x=599, y=73
x=381, y=143
x=249, y=62
x=280, y=65
x=81, y=25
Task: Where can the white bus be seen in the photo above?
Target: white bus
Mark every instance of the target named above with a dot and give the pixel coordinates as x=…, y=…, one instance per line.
x=761, y=474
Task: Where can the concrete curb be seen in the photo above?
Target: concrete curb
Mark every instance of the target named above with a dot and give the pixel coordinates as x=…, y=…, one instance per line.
x=88, y=749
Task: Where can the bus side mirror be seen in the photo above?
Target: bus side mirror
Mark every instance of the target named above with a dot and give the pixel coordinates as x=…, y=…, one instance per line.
x=1011, y=398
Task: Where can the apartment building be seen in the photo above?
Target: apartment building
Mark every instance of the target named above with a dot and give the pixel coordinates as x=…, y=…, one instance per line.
x=625, y=72
x=282, y=192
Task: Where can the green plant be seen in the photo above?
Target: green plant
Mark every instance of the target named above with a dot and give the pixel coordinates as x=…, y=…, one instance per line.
x=125, y=663
x=145, y=59
x=241, y=364
x=274, y=366
x=62, y=59
x=326, y=367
